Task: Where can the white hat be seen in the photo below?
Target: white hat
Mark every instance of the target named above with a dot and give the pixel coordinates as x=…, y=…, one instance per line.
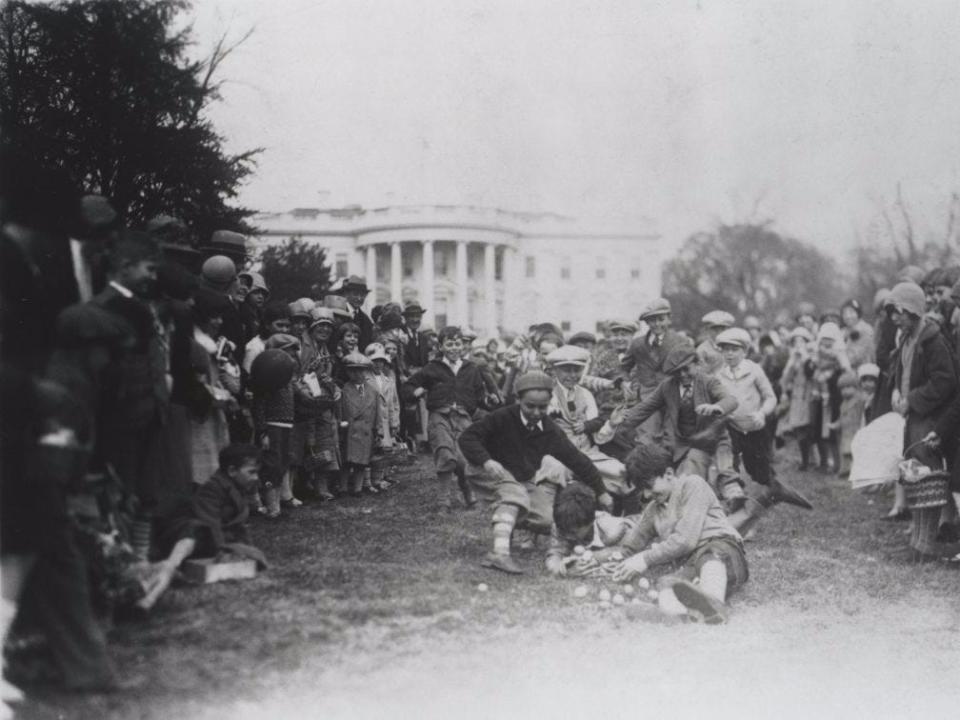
x=376, y=351
x=868, y=370
x=719, y=318
x=569, y=355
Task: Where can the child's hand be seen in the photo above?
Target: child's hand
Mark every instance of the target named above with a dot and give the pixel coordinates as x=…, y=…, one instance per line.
x=617, y=416
x=605, y=501
x=709, y=409
x=630, y=568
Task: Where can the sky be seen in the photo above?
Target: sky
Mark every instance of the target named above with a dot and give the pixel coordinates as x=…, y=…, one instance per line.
x=691, y=113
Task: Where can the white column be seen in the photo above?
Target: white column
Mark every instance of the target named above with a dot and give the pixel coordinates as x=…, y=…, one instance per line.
x=490, y=289
x=462, y=317
x=371, y=277
x=511, y=304
x=427, y=298
x=396, y=273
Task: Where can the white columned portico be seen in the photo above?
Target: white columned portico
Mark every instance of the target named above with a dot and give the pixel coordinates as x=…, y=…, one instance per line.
x=427, y=298
x=511, y=299
x=396, y=273
x=371, y=277
x=463, y=316
x=489, y=289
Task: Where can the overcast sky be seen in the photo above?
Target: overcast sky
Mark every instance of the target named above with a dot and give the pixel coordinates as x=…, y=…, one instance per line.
x=687, y=112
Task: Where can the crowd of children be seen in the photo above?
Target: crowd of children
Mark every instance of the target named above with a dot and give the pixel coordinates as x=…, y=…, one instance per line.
x=183, y=401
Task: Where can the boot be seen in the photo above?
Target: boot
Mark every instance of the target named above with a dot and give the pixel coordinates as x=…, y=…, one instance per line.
x=465, y=488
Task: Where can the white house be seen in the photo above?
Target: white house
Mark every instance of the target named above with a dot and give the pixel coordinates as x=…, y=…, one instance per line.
x=485, y=268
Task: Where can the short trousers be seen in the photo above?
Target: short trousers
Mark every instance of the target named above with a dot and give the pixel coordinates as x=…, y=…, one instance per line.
x=443, y=430
x=534, y=499
x=727, y=550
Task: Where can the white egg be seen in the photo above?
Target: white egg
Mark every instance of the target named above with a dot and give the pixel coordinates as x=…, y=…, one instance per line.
x=604, y=595
x=653, y=594
x=586, y=555
x=617, y=556
x=604, y=605
x=643, y=583
x=482, y=587
x=628, y=590
x=580, y=591
x=618, y=599
x=579, y=550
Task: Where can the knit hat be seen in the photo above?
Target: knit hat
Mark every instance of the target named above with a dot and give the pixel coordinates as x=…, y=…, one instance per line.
x=657, y=306
x=533, y=380
x=218, y=272
x=911, y=273
x=357, y=360
x=909, y=297
x=569, y=355
x=321, y=315
x=679, y=358
x=735, y=336
x=718, y=318
x=868, y=370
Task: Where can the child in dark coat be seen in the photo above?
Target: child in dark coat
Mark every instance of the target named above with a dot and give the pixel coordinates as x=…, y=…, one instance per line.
x=359, y=419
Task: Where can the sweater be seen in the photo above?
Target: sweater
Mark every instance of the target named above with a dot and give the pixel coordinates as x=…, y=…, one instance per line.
x=503, y=436
x=689, y=519
x=465, y=389
x=749, y=386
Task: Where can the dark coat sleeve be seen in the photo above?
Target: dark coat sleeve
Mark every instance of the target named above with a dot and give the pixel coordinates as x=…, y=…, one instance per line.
x=207, y=501
x=939, y=378
x=948, y=426
x=474, y=439
x=636, y=415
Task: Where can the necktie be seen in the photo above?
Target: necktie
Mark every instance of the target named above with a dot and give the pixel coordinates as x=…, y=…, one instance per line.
x=685, y=392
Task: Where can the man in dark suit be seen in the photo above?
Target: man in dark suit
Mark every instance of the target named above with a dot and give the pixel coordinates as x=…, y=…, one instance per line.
x=646, y=355
x=355, y=290
x=416, y=352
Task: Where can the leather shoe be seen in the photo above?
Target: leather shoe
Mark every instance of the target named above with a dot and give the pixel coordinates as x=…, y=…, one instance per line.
x=786, y=494
x=504, y=563
x=693, y=598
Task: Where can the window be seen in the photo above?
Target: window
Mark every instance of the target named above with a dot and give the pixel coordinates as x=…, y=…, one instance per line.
x=342, y=267
x=498, y=266
x=531, y=266
x=565, y=269
x=601, y=271
x=565, y=326
x=635, y=273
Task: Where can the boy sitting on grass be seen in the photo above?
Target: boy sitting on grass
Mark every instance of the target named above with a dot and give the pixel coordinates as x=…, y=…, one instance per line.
x=221, y=505
x=578, y=521
x=684, y=524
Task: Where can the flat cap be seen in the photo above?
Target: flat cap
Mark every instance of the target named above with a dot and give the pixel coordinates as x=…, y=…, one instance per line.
x=533, y=380
x=718, y=318
x=735, y=336
x=357, y=360
x=569, y=355
x=621, y=325
x=657, y=306
x=679, y=358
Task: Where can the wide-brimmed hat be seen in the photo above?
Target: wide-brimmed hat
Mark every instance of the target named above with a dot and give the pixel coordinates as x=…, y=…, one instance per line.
x=354, y=282
x=339, y=305
x=376, y=351
x=357, y=360
x=218, y=272
x=413, y=308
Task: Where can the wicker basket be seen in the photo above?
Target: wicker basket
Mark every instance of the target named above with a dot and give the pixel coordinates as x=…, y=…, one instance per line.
x=930, y=491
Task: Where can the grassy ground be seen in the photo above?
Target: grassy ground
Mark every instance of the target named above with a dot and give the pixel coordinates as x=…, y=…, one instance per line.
x=371, y=608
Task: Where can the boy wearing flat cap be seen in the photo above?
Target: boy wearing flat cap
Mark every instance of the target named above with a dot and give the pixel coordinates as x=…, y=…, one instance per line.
x=694, y=406
x=746, y=382
x=513, y=454
x=645, y=356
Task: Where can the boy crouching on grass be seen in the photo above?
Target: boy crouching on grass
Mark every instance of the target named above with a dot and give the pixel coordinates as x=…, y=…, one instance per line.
x=578, y=521
x=684, y=524
x=220, y=505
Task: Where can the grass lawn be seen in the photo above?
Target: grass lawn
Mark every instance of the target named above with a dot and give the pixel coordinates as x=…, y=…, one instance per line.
x=371, y=609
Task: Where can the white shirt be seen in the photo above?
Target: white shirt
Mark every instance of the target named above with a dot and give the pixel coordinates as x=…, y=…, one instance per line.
x=526, y=422
x=453, y=366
